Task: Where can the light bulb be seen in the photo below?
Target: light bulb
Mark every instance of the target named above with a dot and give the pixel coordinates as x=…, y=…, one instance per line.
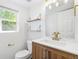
x=57, y=4
x=54, y=1
x=50, y=7
x=65, y=1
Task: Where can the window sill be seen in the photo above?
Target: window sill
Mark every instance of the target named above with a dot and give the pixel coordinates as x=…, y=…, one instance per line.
x=8, y=31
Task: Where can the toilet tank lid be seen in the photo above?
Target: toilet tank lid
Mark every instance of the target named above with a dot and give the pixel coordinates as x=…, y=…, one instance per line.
x=22, y=53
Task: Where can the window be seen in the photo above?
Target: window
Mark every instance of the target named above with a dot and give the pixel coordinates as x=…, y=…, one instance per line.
x=8, y=19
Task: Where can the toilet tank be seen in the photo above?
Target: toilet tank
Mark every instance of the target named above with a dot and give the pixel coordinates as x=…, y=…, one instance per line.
x=29, y=45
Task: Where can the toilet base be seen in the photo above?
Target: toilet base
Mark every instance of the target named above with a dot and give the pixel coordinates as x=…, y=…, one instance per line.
x=30, y=57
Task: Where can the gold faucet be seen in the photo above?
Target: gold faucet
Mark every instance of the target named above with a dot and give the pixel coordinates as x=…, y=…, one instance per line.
x=56, y=36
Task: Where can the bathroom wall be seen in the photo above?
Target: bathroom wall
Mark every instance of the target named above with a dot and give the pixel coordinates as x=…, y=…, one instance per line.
x=16, y=38
x=62, y=22
x=35, y=11
x=76, y=25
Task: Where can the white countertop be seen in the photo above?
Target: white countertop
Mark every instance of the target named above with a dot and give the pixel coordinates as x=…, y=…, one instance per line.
x=67, y=45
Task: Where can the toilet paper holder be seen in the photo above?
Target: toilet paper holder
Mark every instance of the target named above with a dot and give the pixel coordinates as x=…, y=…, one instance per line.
x=11, y=44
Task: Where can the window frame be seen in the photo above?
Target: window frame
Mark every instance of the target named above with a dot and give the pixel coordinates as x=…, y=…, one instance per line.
x=17, y=21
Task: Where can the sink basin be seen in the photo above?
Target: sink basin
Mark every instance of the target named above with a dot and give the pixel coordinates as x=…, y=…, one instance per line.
x=53, y=42
x=65, y=44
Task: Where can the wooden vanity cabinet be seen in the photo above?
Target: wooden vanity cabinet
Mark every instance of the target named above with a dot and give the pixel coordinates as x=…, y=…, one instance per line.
x=57, y=54
x=43, y=52
x=38, y=51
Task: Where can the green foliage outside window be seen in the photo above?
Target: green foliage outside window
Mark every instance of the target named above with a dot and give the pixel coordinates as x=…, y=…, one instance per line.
x=7, y=15
x=8, y=19
x=6, y=25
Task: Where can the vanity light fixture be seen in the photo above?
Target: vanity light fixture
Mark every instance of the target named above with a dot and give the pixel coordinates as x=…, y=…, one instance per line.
x=46, y=0
x=57, y=4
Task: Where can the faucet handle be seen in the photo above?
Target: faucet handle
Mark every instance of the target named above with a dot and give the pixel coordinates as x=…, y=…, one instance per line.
x=58, y=33
x=54, y=33
x=59, y=36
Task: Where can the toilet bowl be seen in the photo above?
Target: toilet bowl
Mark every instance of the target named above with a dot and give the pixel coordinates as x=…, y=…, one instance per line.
x=22, y=54
x=25, y=54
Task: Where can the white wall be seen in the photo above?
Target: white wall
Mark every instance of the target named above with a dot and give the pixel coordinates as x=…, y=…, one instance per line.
x=35, y=11
x=76, y=25
x=62, y=22
x=17, y=38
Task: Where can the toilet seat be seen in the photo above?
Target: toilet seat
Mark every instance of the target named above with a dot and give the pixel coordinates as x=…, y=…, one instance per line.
x=22, y=53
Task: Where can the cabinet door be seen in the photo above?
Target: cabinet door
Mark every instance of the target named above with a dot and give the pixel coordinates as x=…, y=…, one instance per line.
x=33, y=51
x=38, y=52
x=56, y=54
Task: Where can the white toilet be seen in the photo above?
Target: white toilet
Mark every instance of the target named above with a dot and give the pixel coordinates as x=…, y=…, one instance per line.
x=25, y=54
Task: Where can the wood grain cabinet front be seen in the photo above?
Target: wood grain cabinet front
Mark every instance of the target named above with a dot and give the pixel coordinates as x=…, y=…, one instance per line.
x=57, y=54
x=38, y=52
x=43, y=52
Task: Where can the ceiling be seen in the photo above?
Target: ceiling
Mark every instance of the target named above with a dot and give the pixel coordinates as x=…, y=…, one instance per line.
x=38, y=3
x=26, y=3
